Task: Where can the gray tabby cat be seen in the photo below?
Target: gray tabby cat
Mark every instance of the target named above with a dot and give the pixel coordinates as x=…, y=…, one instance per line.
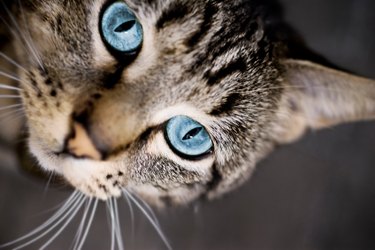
x=172, y=100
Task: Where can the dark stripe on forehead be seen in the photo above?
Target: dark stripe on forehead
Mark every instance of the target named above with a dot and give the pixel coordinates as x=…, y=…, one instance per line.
x=209, y=13
x=239, y=65
x=227, y=105
x=175, y=11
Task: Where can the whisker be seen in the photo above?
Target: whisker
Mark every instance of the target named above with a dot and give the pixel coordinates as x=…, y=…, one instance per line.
x=76, y=204
x=73, y=198
x=150, y=210
x=11, y=61
x=13, y=117
x=23, y=37
x=10, y=96
x=153, y=223
x=88, y=225
x=69, y=220
x=119, y=238
x=113, y=225
x=51, y=174
x=131, y=211
x=29, y=35
x=9, y=117
x=82, y=224
x=7, y=75
x=9, y=114
x=63, y=204
x=5, y=86
x=16, y=35
x=10, y=107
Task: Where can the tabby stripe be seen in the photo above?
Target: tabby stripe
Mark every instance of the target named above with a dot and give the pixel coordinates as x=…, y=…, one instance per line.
x=205, y=26
x=235, y=66
x=227, y=105
x=175, y=12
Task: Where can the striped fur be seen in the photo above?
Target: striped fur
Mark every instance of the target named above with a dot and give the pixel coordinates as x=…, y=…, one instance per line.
x=219, y=62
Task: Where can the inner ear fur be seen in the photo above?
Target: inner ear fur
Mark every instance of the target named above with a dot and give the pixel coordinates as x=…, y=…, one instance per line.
x=317, y=97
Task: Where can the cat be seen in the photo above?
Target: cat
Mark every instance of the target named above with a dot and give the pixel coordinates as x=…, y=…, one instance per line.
x=172, y=101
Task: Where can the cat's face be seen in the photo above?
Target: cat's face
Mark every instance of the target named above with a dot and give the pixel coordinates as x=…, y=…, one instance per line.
x=184, y=111
x=194, y=62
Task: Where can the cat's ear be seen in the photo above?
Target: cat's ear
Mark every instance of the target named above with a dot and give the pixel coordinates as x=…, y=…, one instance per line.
x=317, y=97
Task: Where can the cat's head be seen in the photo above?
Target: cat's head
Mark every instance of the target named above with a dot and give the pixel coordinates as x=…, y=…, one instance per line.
x=173, y=100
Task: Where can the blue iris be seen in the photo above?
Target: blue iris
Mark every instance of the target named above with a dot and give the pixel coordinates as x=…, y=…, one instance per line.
x=187, y=137
x=121, y=29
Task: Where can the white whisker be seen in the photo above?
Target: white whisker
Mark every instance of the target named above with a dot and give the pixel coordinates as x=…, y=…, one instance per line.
x=88, y=224
x=12, y=77
x=78, y=203
x=50, y=176
x=10, y=60
x=131, y=211
x=151, y=211
x=119, y=238
x=29, y=36
x=10, y=117
x=5, y=86
x=15, y=35
x=10, y=96
x=10, y=107
x=63, y=209
x=69, y=220
x=64, y=204
x=150, y=219
x=82, y=223
x=23, y=37
x=10, y=114
x=13, y=117
x=113, y=225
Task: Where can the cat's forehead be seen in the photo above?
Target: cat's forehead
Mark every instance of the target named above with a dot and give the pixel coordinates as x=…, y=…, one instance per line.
x=184, y=42
x=72, y=27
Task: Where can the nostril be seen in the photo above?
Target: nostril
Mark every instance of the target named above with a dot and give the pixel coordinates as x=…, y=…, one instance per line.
x=80, y=145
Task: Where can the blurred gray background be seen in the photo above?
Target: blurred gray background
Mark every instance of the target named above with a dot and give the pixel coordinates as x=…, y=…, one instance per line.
x=318, y=193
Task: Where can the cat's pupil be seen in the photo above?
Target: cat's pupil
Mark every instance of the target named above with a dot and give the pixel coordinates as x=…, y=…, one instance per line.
x=192, y=133
x=125, y=26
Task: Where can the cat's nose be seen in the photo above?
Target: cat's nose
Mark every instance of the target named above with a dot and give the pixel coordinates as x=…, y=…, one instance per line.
x=80, y=145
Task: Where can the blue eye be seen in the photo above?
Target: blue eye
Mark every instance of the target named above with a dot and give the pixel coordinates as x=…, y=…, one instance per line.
x=121, y=29
x=187, y=137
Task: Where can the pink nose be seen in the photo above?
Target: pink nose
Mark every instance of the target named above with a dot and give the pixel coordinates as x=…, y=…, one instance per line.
x=80, y=144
